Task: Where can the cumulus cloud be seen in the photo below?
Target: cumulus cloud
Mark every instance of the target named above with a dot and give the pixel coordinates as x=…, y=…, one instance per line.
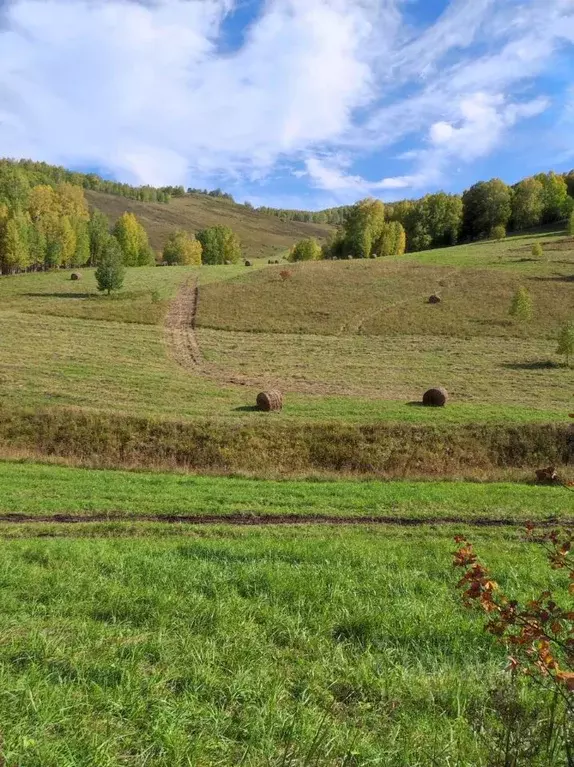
x=149, y=90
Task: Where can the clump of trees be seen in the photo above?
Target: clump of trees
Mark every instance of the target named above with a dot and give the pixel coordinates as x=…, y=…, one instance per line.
x=306, y=250
x=182, y=248
x=220, y=245
x=133, y=241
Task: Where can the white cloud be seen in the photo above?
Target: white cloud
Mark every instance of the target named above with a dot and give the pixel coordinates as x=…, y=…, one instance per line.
x=143, y=89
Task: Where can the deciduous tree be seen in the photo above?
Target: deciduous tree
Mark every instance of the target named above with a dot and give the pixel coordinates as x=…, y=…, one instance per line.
x=305, y=250
x=110, y=271
x=182, y=248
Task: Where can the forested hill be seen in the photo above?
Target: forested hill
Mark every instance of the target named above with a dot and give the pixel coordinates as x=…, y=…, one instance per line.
x=261, y=236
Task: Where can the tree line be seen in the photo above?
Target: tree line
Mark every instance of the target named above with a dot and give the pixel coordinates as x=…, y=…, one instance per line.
x=439, y=220
x=49, y=226
x=365, y=233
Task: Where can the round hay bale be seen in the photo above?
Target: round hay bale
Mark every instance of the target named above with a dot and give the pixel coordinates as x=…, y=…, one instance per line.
x=434, y=299
x=435, y=397
x=270, y=400
x=75, y=276
x=248, y=263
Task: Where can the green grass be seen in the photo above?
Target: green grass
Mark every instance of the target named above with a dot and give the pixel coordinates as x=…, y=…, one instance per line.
x=322, y=647
x=35, y=489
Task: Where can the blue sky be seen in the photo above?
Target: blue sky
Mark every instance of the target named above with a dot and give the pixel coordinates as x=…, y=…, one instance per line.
x=292, y=103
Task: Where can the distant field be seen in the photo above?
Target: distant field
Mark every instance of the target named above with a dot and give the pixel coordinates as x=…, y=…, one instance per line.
x=261, y=236
x=323, y=647
x=44, y=490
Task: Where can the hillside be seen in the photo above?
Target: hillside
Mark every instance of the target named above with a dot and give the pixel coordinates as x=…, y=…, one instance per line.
x=262, y=236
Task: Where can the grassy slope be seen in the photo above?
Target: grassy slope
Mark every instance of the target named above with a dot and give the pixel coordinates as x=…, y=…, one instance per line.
x=262, y=236
x=251, y=647
x=35, y=489
x=56, y=354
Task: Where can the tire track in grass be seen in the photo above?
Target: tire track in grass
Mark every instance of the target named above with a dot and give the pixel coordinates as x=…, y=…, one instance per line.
x=248, y=519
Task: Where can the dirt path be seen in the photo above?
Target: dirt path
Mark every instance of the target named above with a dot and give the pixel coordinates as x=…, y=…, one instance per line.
x=184, y=348
x=252, y=519
x=180, y=327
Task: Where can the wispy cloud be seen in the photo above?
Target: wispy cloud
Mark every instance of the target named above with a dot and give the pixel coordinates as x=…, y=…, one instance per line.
x=146, y=90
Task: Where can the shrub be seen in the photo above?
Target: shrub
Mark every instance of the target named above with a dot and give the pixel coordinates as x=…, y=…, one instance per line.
x=521, y=305
x=537, y=250
x=498, y=232
x=566, y=342
x=306, y=250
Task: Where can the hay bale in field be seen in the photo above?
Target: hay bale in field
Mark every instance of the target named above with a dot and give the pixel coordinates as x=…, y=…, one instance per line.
x=75, y=276
x=248, y=263
x=270, y=400
x=435, y=397
x=434, y=299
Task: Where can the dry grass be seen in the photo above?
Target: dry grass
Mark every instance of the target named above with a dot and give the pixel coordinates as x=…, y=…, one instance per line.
x=262, y=236
x=475, y=370
x=389, y=297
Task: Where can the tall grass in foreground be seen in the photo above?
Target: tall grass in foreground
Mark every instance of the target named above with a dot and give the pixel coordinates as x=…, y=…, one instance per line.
x=250, y=647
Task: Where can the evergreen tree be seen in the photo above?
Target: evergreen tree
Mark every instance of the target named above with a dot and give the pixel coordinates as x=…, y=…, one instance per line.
x=521, y=305
x=566, y=342
x=110, y=271
x=306, y=250
x=182, y=248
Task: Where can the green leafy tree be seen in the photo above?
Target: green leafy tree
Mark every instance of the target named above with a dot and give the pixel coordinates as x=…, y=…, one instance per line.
x=182, y=248
x=99, y=232
x=133, y=241
x=67, y=240
x=566, y=342
x=37, y=246
x=521, y=305
x=220, y=245
x=392, y=241
x=528, y=203
x=110, y=270
x=537, y=250
x=335, y=245
x=364, y=226
x=14, y=254
x=486, y=205
x=498, y=233
x=82, y=252
x=53, y=254
x=306, y=250
x=555, y=201
x=14, y=186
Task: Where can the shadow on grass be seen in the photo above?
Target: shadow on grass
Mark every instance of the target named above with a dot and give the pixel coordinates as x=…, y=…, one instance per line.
x=533, y=365
x=61, y=295
x=246, y=409
x=415, y=403
x=556, y=278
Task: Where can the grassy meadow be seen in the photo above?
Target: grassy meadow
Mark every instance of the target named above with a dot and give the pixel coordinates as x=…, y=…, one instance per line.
x=346, y=341
x=223, y=646
x=45, y=490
